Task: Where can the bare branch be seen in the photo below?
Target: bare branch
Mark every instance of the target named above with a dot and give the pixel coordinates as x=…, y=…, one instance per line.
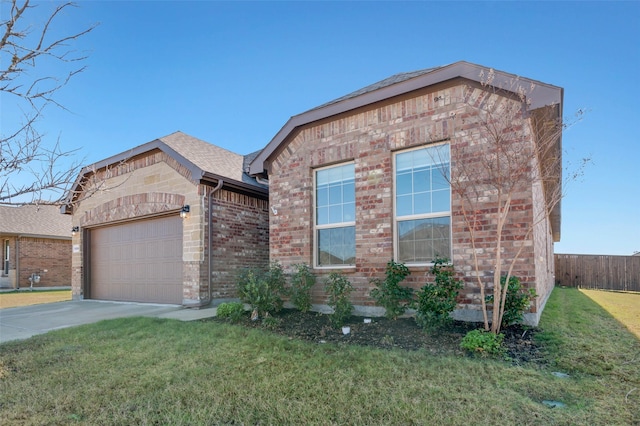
x=30, y=169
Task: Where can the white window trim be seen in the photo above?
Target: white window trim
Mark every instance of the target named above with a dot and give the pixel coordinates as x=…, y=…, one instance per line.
x=327, y=226
x=6, y=256
x=419, y=216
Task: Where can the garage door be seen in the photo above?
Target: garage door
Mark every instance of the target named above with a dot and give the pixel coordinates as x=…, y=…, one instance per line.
x=137, y=261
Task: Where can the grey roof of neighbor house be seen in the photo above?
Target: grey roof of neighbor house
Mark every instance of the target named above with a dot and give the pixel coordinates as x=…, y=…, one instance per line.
x=206, y=161
x=400, y=84
x=35, y=221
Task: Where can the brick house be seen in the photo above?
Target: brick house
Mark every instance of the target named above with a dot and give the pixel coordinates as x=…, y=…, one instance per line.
x=170, y=221
x=36, y=242
x=359, y=181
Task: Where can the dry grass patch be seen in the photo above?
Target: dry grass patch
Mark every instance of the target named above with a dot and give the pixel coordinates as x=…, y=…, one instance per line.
x=26, y=297
x=623, y=306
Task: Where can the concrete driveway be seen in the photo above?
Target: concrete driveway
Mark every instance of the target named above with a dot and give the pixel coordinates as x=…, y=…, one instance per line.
x=26, y=321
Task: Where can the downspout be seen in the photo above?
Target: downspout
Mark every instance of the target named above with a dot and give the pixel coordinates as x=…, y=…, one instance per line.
x=210, y=231
x=212, y=191
x=262, y=180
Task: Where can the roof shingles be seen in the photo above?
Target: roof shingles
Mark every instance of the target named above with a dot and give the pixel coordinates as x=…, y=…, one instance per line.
x=35, y=220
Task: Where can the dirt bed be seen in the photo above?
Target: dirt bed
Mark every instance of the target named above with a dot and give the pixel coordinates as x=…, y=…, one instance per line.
x=402, y=333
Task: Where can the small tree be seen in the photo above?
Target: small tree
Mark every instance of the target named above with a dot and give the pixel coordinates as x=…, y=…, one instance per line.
x=509, y=150
x=24, y=156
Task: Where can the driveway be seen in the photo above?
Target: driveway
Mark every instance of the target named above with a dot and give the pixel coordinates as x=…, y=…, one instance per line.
x=26, y=321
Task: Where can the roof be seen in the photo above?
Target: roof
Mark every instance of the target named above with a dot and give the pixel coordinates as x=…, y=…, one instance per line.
x=399, y=84
x=35, y=221
x=205, y=161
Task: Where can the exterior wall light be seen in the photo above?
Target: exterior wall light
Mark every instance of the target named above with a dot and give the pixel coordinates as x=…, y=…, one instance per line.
x=75, y=230
x=184, y=212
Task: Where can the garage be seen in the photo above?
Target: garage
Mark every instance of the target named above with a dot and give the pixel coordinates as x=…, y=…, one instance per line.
x=137, y=261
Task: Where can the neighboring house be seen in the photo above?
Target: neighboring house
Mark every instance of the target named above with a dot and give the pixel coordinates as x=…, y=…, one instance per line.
x=36, y=242
x=359, y=181
x=132, y=242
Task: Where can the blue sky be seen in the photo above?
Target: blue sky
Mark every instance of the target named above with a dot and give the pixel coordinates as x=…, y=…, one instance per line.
x=232, y=73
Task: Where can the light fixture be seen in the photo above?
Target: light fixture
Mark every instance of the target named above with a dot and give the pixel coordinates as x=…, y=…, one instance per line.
x=75, y=230
x=184, y=211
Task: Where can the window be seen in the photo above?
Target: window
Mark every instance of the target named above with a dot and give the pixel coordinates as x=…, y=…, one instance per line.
x=5, y=264
x=422, y=204
x=335, y=213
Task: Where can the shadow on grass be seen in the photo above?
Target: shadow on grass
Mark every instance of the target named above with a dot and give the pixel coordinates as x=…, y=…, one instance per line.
x=580, y=336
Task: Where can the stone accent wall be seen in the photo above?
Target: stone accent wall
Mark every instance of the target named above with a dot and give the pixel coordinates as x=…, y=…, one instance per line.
x=369, y=137
x=240, y=239
x=144, y=186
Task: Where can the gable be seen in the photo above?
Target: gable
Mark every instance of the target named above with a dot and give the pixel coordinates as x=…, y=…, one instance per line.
x=401, y=84
x=195, y=159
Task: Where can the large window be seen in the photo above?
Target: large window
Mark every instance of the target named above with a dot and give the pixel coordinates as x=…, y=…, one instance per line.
x=422, y=204
x=335, y=216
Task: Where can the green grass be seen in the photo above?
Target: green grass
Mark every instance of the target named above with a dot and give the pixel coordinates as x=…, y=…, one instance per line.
x=623, y=306
x=152, y=371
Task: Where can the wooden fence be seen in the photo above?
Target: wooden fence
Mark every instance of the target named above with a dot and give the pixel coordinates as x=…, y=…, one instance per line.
x=620, y=273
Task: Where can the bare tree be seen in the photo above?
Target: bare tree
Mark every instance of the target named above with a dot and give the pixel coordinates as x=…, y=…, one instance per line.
x=28, y=166
x=508, y=153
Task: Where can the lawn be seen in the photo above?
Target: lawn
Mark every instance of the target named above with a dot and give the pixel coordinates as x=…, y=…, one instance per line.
x=625, y=307
x=16, y=298
x=153, y=371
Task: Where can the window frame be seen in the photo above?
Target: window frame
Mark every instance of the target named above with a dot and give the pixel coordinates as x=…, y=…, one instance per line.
x=439, y=214
x=6, y=256
x=316, y=227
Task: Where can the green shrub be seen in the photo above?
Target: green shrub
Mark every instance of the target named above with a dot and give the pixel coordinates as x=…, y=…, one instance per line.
x=339, y=289
x=483, y=342
x=389, y=294
x=262, y=290
x=232, y=311
x=301, y=282
x=517, y=301
x=437, y=300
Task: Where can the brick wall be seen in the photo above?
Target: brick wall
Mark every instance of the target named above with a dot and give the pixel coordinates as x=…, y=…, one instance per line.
x=155, y=184
x=240, y=239
x=368, y=137
x=40, y=254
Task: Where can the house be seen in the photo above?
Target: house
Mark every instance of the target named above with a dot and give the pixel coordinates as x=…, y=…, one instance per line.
x=170, y=221
x=36, y=247
x=360, y=180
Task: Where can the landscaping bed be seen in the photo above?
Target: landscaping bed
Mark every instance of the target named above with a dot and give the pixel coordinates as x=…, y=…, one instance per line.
x=402, y=333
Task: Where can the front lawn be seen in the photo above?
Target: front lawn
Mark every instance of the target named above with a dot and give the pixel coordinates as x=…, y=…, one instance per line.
x=152, y=371
x=12, y=299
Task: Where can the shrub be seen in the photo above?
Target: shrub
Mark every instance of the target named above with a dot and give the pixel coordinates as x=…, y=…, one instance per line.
x=517, y=301
x=389, y=294
x=263, y=290
x=339, y=289
x=301, y=282
x=483, y=343
x=436, y=301
x=232, y=311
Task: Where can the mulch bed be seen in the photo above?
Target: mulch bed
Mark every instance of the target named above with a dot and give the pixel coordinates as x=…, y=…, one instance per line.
x=403, y=334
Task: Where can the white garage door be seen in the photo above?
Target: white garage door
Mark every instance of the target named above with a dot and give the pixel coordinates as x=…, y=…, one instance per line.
x=137, y=261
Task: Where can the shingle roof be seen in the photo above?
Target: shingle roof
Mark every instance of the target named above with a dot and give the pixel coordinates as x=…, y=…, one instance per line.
x=204, y=160
x=206, y=156
x=32, y=220
x=396, y=78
